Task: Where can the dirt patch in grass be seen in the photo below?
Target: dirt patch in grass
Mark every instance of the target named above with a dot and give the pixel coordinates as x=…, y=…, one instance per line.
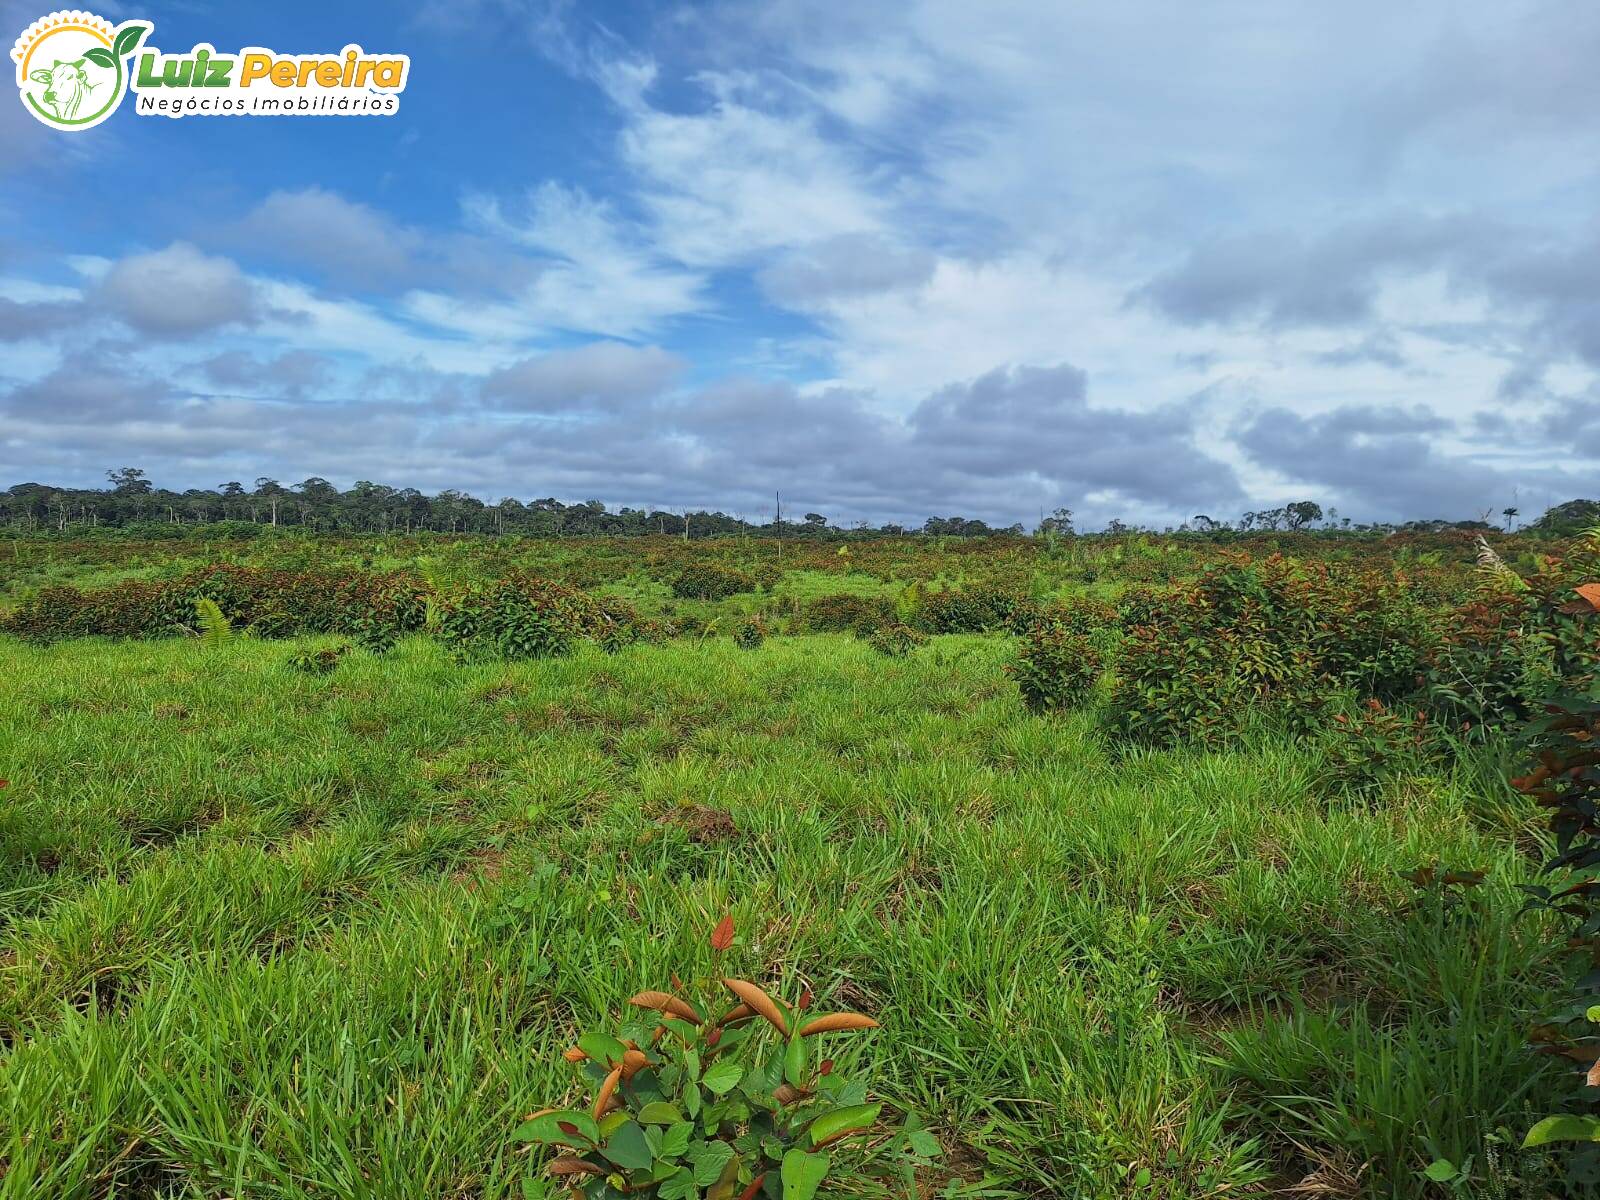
x=703, y=825
x=483, y=865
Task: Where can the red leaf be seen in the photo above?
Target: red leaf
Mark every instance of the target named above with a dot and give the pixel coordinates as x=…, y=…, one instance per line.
x=805, y=1000
x=826, y=1068
x=722, y=935
x=5, y=783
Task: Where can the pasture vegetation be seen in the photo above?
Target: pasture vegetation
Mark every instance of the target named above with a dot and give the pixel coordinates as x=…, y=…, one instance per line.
x=309, y=902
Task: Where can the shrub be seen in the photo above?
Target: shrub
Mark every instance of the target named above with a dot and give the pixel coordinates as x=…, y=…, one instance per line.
x=1565, y=780
x=896, y=641
x=1272, y=638
x=737, y=1105
x=1055, y=667
x=750, y=633
x=521, y=616
x=1083, y=615
x=847, y=613
x=709, y=581
x=980, y=609
x=1363, y=748
x=319, y=662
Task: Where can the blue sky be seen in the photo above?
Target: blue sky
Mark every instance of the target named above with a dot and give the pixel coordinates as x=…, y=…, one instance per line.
x=1144, y=260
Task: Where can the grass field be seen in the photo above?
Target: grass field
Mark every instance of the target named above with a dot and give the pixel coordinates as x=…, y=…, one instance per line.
x=264, y=933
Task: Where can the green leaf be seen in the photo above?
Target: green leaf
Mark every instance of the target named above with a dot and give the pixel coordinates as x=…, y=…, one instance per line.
x=803, y=1174
x=548, y=1129
x=676, y=1140
x=794, y=1061
x=723, y=1077
x=659, y=1112
x=100, y=56
x=689, y=1033
x=1566, y=1128
x=708, y=1159
x=534, y=1189
x=602, y=1047
x=678, y=1186
x=628, y=1148
x=843, y=1120
x=1440, y=1170
x=128, y=39
x=691, y=1100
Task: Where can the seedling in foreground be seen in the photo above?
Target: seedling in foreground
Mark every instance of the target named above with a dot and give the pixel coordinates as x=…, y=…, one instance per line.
x=686, y=1105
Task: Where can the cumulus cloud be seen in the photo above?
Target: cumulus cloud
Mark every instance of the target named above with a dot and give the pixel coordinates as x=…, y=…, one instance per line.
x=324, y=230
x=292, y=373
x=601, y=374
x=178, y=292
x=1390, y=462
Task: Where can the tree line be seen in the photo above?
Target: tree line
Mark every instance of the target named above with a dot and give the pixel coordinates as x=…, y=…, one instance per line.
x=131, y=499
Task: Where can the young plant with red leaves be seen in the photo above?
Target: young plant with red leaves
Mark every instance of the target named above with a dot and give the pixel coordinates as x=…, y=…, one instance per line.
x=726, y=1100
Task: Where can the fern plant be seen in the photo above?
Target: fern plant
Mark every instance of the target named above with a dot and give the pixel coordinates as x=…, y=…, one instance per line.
x=215, y=628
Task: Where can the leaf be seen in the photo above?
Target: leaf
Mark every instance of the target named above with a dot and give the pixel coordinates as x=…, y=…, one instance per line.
x=794, y=1062
x=722, y=935
x=677, y=1186
x=708, y=1159
x=602, y=1047
x=833, y=1022
x=667, y=1003
x=100, y=56
x=760, y=1001
x=803, y=1174
x=607, y=1089
x=722, y=1077
x=127, y=39
x=831, y=1126
x=1591, y=593
x=676, y=1139
x=659, y=1112
x=1565, y=1128
x=547, y=1127
x=534, y=1189
x=1440, y=1170
x=628, y=1148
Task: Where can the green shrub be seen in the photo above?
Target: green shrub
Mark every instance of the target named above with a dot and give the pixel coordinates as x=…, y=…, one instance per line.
x=896, y=641
x=319, y=662
x=750, y=633
x=979, y=609
x=1272, y=639
x=520, y=616
x=708, y=581
x=1082, y=614
x=847, y=613
x=742, y=1104
x=1363, y=748
x=1055, y=667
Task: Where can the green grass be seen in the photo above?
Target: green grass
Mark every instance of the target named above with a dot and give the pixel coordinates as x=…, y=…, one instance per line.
x=271, y=934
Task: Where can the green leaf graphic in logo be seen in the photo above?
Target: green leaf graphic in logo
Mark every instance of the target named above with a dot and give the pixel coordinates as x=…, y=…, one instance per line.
x=128, y=39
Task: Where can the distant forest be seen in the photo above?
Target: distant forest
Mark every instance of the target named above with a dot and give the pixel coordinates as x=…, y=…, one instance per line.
x=130, y=501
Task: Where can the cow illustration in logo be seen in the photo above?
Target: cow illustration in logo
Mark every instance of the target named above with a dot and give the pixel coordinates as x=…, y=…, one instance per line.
x=71, y=67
